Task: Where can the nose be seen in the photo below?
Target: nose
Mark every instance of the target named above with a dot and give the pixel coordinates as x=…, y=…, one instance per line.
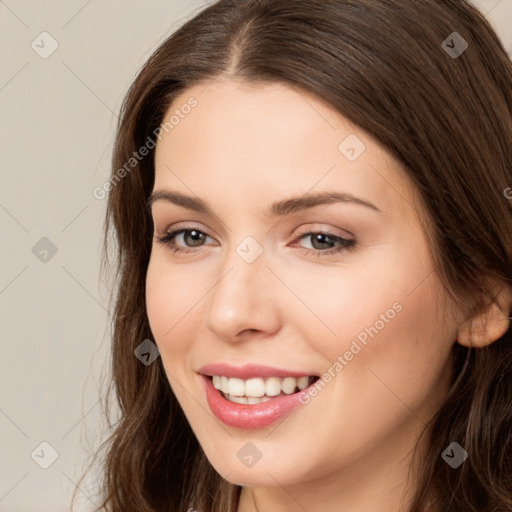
x=243, y=302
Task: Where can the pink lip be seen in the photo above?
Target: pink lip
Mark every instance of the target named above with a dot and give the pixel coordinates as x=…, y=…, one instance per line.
x=249, y=371
x=247, y=416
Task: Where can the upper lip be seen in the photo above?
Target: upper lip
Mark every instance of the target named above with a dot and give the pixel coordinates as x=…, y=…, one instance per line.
x=250, y=371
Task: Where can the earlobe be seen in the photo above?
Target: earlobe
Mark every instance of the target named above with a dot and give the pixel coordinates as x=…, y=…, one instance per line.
x=489, y=325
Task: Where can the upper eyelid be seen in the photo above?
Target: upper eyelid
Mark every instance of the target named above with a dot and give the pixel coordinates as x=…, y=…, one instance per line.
x=196, y=224
x=330, y=231
x=182, y=227
x=311, y=228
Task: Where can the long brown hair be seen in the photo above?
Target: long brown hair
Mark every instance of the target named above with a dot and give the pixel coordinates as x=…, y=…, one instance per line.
x=446, y=117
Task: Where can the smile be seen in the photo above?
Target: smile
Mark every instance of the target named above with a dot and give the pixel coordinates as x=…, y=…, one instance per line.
x=257, y=390
x=253, y=397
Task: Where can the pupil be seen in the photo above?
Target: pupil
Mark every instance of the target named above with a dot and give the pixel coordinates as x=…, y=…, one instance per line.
x=195, y=236
x=320, y=238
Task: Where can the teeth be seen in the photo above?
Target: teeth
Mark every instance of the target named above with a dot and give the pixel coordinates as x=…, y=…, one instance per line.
x=288, y=385
x=253, y=400
x=303, y=382
x=254, y=388
x=273, y=386
x=224, y=384
x=257, y=390
x=238, y=399
x=236, y=387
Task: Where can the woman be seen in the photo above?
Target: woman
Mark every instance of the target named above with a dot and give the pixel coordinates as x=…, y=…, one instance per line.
x=309, y=203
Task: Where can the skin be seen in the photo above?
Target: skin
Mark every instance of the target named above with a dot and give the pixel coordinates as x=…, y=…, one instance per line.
x=242, y=148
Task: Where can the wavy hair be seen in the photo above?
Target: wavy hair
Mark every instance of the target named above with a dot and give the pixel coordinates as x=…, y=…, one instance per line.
x=447, y=118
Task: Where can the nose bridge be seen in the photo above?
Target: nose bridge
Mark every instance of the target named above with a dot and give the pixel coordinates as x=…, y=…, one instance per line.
x=242, y=298
x=243, y=265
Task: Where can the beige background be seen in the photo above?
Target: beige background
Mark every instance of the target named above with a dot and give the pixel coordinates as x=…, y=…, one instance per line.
x=57, y=118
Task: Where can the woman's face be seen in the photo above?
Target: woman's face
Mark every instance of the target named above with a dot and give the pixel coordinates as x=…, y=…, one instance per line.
x=341, y=288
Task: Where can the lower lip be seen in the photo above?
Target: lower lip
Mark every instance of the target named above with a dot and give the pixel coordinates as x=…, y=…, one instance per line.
x=247, y=416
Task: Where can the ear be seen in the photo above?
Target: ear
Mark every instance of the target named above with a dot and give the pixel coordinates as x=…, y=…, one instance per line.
x=489, y=325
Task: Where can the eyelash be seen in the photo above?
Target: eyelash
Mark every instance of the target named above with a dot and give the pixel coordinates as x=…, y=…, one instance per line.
x=346, y=244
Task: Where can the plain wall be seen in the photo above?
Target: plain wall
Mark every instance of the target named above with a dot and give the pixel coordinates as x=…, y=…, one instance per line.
x=58, y=116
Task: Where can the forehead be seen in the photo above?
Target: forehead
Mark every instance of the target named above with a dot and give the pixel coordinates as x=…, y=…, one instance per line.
x=232, y=114
x=253, y=140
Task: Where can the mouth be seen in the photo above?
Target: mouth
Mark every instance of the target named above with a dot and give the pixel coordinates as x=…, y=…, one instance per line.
x=253, y=397
x=258, y=390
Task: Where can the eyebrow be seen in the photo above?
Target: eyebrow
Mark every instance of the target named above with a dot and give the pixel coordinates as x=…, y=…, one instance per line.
x=277, y=209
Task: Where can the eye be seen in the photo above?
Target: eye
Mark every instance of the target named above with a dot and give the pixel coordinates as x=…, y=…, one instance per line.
x=325, y=243
x=191, y=236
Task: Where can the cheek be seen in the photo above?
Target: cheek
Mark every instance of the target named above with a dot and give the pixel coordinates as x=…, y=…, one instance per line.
x=170, y=299
x=394, y=345
x=384, y=311
x=355, y=300
x=388, y=363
